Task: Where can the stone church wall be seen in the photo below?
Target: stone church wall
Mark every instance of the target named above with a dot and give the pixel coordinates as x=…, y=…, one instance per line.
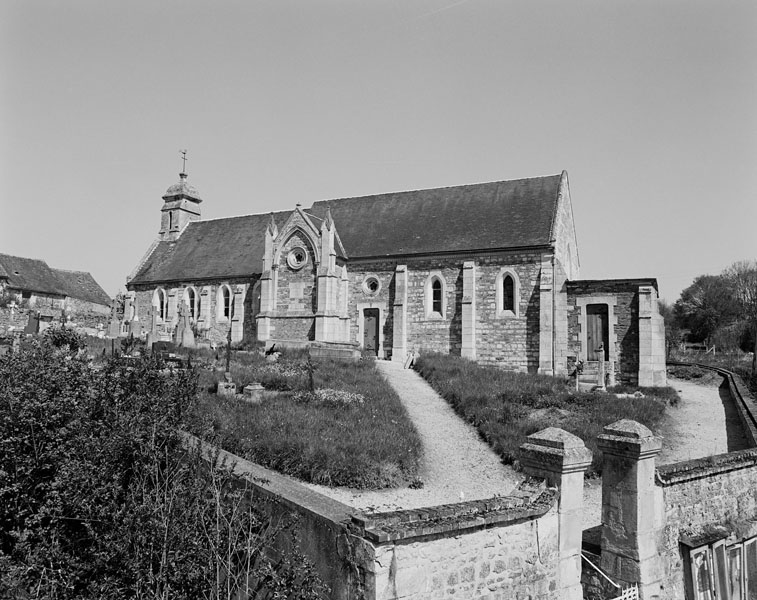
x=626, y=323
x=510, y=342
x=361, y=298
x=296, y=297
x=210, y=327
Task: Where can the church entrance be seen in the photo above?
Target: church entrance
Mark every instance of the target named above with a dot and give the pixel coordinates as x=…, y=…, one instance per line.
x=597, y=332
x=371, y=330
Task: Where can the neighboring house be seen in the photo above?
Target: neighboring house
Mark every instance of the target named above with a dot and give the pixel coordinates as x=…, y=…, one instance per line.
x=488, y=271
x=29, y=284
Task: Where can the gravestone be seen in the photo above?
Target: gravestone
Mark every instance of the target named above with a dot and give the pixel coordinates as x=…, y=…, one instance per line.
x=152, y=334
x=183, y=335
x=114, y=327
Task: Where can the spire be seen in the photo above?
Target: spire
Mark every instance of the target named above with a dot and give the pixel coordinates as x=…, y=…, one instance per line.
x=329, y=220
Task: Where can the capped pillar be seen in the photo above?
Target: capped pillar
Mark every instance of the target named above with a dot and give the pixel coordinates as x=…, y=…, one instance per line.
x=562, y=459
x=631, y=506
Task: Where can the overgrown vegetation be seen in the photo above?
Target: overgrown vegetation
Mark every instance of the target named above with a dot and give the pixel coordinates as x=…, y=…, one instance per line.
x=506, y=407
x=718, y=310
x=99, y=498
x=350, y=429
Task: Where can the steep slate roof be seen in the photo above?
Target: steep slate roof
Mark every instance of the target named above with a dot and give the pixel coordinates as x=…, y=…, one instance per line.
x=483, y=216
x=34, y=275
x=30, y=274
x=231, y=247
x=81, y=285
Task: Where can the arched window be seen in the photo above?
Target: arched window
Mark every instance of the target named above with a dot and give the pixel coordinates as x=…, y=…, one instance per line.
x=170, y=220
x=225, y=302
x=436, y=296
x=192, y=300
x=507, y=293
x=160, y=303
x=435, y=300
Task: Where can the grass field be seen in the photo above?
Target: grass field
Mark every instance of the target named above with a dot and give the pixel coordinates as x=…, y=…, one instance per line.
x=506, y=407
x=352, y=431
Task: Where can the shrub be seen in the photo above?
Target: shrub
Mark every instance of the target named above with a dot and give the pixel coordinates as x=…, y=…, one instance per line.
x=100, y=499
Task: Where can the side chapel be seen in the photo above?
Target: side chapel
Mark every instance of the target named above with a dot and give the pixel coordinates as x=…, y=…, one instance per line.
x=487, y=271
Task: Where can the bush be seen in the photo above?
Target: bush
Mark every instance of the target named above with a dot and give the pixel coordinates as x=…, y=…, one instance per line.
x=100, y=499
x=507, y=407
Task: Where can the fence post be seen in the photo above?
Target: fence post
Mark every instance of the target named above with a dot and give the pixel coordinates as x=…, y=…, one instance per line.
x=562, y=458
x=631, y=506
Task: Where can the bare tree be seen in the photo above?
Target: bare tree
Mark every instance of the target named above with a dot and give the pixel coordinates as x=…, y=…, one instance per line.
x=742, y=276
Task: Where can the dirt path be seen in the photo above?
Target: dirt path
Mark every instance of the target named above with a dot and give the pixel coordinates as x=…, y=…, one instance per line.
x=704, y=422
x=457, y=464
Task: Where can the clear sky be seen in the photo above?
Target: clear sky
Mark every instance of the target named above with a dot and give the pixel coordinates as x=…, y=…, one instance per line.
x=651, y=107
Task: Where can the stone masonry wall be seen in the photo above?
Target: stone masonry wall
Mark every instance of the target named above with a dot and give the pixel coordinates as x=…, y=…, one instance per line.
x=495, y=549
x=296, y=295
x=13, y=320
x=211, y=327
x=507, y=341
x=360, y=298
x=515, y=561
x=626, y=313
x=511, y=342
x=715, y=491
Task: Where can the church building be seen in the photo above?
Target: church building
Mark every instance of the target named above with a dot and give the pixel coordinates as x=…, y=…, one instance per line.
x=487, y=271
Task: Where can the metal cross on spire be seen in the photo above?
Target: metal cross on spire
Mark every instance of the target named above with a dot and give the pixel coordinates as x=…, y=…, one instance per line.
x=184, y=160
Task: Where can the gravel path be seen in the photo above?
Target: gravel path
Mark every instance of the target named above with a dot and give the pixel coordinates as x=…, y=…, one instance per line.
x=457, y=464
x=704, y=423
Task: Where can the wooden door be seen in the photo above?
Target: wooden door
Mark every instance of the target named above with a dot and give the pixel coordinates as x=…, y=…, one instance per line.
x=371, y=330
x=597, y=331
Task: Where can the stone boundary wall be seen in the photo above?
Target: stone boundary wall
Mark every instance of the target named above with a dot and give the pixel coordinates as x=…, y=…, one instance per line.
x=700, y=495
x=651, y=515
x=16, y=318
x=503, y=547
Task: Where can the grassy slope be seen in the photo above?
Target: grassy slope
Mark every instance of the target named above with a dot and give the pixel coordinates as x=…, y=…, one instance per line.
x=506, y=407
x=362, y=445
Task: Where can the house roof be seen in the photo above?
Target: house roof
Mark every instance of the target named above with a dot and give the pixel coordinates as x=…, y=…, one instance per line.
x=81, y=285
x=483, y=216
x=34, y=275
x=30, y=274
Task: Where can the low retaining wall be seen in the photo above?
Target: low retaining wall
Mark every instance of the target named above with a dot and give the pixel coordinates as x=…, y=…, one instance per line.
x=503, y=547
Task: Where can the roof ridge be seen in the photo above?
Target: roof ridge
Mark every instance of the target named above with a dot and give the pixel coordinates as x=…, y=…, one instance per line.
x=431, y=189
x=263, y=214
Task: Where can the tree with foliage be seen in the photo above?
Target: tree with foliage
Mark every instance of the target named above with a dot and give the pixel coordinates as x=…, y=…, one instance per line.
x=705, y=306
x=742, y=278
x=100, y=498
x=672, y=329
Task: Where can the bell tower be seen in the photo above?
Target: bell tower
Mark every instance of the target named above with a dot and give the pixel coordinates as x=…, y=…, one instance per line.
x=181, y=204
